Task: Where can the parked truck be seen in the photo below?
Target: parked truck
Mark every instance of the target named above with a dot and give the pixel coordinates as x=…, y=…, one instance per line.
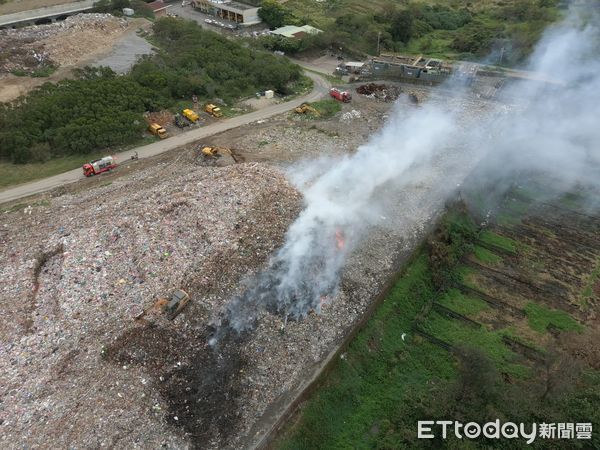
x=157, y=130
x=191, y=115
x=342, y=96
x=99, y=165
x=213, y=110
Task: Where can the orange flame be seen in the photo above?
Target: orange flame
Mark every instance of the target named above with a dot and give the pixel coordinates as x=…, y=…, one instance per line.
x=340, y=242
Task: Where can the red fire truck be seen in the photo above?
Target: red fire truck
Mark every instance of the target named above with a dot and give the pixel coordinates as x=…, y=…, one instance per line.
x=99, y=165
x=342, y=96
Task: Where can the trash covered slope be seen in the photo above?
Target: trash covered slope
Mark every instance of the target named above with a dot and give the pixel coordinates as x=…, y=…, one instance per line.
x=77, y=271
x=61, y=43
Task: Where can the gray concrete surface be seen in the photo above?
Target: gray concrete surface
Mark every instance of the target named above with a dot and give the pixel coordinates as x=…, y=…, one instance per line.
x=125, y=53
x=321, y=88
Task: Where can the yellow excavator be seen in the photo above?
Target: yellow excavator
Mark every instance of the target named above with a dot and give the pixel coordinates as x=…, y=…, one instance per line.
x=306, y=108
x=215, y=152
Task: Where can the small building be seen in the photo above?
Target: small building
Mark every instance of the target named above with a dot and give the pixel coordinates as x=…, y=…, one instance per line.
x=294, y=32
x=350, y=67
x=424, y=69
x=229, y=10
x=159, y=7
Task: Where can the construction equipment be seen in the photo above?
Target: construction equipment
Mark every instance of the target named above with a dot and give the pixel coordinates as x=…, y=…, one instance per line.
x=213, y=110
x=178, y=301
x=215, y=152
x=158, y=130
x=305, y=108
x=342, y=96
x=99, y=165
x=191, y=115
x=180, y=121
x=170, y=308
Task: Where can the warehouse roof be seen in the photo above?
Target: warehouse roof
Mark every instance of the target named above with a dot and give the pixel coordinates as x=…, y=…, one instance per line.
x=292, y=31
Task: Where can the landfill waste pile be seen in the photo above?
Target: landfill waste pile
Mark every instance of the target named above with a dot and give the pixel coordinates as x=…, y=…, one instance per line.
x=382, y=92
x=90, y=263
x=79, y=367
x=63, y=43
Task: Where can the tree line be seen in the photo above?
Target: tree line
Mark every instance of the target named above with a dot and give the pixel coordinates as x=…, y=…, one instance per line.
x=99, y=109
x=470, y=31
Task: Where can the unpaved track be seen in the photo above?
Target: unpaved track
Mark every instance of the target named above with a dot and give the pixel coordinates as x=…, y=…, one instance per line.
x=320, y=88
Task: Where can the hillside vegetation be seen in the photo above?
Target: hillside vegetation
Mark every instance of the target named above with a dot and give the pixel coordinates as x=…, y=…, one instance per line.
x=100, y=109
x=502, y=30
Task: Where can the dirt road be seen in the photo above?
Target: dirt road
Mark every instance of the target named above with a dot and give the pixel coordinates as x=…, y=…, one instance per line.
x=320, y=88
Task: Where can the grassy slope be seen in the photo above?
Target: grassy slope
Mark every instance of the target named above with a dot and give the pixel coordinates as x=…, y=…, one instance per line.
x=13, y=174
x=377, y=392
x=380, y=375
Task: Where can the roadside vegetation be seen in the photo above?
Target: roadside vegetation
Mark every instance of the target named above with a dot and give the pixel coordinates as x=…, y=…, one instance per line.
x=502, y=31
x=100, y=109
x=433, y=351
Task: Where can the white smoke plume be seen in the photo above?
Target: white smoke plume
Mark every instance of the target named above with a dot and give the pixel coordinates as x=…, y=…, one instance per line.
x=554, y=127
x=557, y=130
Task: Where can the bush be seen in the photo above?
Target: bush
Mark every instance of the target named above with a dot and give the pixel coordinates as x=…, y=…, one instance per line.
x=275, y=15
x=475, y=38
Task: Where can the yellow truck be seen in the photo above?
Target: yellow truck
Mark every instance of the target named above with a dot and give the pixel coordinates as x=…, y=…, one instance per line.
x=213, y=110
x=191, y=115
x=157, y=130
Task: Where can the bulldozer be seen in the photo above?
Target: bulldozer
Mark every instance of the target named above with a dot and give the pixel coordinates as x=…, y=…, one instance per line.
x=306, y=108
x=163, y=307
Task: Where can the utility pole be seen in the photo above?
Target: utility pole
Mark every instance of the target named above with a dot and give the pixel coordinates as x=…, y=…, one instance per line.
x=378, y=38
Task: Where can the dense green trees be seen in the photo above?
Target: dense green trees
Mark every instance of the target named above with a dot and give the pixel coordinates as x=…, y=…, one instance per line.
x=275, y=15
x=461, y=30
x=100, y=109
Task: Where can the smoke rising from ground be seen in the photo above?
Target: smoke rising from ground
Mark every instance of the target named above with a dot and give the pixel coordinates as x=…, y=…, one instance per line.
x=557, y=130
x=553, y=127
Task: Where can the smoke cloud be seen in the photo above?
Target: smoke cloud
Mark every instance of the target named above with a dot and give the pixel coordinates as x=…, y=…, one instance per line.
x=549, y=127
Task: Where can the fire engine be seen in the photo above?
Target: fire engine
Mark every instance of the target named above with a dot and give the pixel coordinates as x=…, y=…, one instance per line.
x=99, y=165
x=342, y=96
